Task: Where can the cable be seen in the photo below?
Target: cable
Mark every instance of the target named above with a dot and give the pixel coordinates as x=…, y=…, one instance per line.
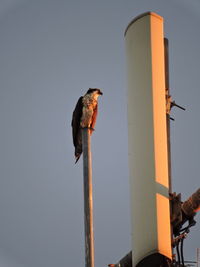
x=178, y=254
x=182, y=258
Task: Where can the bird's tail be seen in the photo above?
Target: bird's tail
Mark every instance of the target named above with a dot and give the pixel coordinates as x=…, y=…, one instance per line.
x=77, y=158
x=78, y=152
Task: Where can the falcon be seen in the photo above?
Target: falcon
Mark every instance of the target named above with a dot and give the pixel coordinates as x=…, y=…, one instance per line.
x=84, y=116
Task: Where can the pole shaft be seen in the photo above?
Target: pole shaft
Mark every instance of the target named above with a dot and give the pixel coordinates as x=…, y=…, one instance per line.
x=88, y=199
x=166, y=48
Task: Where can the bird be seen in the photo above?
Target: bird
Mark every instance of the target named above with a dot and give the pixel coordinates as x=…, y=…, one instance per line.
x=84, y=116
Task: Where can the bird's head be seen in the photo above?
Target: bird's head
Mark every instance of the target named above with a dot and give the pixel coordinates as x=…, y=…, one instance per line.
x=94, y=91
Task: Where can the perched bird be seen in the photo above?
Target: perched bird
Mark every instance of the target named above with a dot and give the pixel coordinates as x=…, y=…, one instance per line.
x=84, y=116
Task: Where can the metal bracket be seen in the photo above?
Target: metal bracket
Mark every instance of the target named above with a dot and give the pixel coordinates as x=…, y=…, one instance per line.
x=170, y=104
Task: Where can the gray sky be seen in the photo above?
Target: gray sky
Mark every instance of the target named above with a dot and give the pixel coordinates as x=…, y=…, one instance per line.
x=51, y=52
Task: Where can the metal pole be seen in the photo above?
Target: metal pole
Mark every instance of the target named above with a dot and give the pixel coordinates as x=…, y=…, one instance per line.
x=88, y=199
x=166, y=50
x=166, y=47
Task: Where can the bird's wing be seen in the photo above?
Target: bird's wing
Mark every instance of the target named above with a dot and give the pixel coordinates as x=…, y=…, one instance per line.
x=94, y=117
x=76, y=117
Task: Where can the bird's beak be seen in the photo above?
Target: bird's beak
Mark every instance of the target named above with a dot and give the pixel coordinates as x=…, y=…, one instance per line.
x=100, y=93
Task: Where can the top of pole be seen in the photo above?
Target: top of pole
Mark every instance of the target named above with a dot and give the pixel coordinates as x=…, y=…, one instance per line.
x=140, y=16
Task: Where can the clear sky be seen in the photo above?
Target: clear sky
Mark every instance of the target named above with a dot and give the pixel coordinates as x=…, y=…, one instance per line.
x=51, y=52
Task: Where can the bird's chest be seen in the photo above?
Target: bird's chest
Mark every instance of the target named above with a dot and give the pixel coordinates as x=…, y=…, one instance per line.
x=89, y=103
